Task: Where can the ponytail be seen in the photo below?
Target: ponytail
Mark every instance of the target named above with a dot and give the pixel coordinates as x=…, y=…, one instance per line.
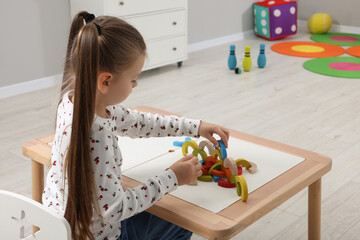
x=76, y=25
x=104, y=43
x=81, y=200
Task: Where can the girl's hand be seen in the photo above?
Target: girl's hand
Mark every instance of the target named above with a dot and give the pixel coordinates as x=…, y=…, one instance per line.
x=187, y=169
x=207, y=130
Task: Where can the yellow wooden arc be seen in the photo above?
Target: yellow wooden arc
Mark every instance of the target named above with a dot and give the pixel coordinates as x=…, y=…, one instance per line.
x=217, y=153
x=187, y=144
x=198, y=151
x=205, y=178
x=216, y=166
x=243, y=162
x=241, y=187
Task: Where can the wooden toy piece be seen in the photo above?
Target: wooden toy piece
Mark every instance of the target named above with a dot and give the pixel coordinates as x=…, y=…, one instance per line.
x=253, y=168
x=216, y=166
x=180, y=143
x=171, y=150
x=208, y=145
x=217, y=173
x=226, y=184
x=243, y=162
x=227, y=172
x=216, y=153
x=208, y=165
x=261, y=58
x=247, y=60
x=205, y=178
x=222, y=149
x=231, y=164
x=241, y=187
x=204, y=170
x=202, y=153
x=232, y=59
x=239, y=170
x=216, y=179
x=186, y=144
x=211, y=159
x=250, y=166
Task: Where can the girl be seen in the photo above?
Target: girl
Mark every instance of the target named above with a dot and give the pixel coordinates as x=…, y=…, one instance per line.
x=104, y=58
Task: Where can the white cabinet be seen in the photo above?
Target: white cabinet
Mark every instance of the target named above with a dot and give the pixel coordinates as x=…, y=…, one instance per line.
x=162, y=23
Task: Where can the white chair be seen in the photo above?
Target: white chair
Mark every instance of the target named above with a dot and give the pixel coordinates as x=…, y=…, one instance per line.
x=16, y=211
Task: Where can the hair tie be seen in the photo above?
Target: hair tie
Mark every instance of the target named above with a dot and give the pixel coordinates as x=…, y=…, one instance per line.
x=98, y=28
x=88, y=17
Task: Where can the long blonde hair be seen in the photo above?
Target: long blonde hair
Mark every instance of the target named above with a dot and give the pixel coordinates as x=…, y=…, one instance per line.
x=113, y=48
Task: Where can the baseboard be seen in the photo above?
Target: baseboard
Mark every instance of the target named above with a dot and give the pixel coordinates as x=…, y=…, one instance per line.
x=218, y=41
x=334, y=27
x=30, y=86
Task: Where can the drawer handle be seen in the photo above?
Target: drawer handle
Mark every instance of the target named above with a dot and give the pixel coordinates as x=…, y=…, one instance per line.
x=174, y=23
x=174, y=49
x=122, y=3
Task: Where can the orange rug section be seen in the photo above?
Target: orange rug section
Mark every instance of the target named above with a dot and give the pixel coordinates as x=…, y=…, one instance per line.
x=354, y=51
x=308, y=49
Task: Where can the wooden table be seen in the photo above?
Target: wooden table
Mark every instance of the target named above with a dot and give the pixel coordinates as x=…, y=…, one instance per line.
x=236, y=217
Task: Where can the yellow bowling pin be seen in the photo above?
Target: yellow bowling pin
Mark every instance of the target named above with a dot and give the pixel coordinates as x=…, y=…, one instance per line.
x=247, y=59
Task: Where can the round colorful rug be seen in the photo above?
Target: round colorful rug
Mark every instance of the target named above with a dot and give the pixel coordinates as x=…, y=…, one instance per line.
x=353, y=51
x=308, y=49
x=345, y=67
x=340, y=39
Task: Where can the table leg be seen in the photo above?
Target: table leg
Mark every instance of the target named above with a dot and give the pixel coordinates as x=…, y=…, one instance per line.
x=314, y=215
x=37, y=172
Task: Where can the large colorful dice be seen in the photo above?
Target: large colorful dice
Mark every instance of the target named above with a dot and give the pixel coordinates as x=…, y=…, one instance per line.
x=275, y=18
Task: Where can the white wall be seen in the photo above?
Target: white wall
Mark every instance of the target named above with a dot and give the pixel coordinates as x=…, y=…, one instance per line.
x=343, y=12
x=209, y=19
x=33, y=36
x=33, y=33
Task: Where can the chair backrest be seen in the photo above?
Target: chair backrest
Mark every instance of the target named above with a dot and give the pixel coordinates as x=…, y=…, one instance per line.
x=16, y=211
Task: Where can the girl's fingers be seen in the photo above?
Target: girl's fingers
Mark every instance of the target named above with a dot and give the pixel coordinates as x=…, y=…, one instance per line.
x=198, y=167
x=223, y=136
x=187, y=157
x=213, y=140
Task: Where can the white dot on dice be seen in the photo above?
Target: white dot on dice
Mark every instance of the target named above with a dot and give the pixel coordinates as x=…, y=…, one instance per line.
x=277, y=13
x=292, y=10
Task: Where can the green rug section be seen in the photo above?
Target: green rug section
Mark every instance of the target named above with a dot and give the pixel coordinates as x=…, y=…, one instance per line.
x=321, y=66
x=326, y=38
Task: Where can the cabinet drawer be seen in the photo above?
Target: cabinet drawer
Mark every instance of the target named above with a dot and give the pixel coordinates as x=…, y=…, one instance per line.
x=160, y=25
x=166, y=51
x=130, y=7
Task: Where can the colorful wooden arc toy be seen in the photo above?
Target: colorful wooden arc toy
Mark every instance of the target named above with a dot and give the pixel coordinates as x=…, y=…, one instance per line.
x=218, y=167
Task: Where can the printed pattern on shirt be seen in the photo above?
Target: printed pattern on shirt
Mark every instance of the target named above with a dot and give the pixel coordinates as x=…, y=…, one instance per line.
x=115, y=203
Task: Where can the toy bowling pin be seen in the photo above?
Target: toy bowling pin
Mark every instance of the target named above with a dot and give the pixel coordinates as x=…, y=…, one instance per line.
x=262, y=58
x=247, y=60
x=232, y=58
